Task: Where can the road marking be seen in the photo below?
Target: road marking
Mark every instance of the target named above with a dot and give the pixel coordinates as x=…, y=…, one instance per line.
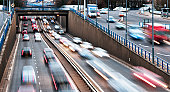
x=34, y=57
x=163, y=55
x=34, y=60
x=38, y=77
x=143, y=46
x=40, y=90
x=37, y=71
x=39, y=83
x=35, y=63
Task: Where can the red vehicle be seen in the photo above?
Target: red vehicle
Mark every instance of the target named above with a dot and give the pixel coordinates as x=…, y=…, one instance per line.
x=34, y=25
x=35, y=29
x=160, y=33
x=24, y=32
x=148, y=77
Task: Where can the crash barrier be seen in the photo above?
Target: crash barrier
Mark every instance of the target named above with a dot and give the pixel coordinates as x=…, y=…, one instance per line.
x=158, y=62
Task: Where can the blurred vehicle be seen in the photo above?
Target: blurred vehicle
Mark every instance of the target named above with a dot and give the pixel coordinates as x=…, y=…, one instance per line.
x=148, y=77
x=52, y=21
x=61, y=32
x=122, y=14
x=85, y=53
x=103, y=11
x=26, y=88
x=25, y=28
x=28, y=75
x=48, y=28
x=38, y=38
x=50, y=31
x=77, y=40
x=34, y=25
x=35, y=29
x=25, y=37
x=60, y=80
x=111, y=19
x=74, y=47
x=48, y=50
x=124, y=9
x=67, y=43
x=100, y=52
x=87, y=45
x=92, y=10
x=23, y=18
x=26, y=51
x=136, y=33
x=25, y=24
x=98, y=13
x=53, y=34
x=120, y=26
x=161, y=35
x=64, y=41
x=24, y=32
x=49, y=57
x=57, y=27
x=117, y=8
x=57, y=36
x=37, y=34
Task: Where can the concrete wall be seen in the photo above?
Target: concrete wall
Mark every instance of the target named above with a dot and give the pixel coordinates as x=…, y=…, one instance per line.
x=8, y=45
x=79, y=27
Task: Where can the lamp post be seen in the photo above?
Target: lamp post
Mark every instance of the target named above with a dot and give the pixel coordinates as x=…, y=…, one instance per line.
x=3, y=11
x=152, y=33
x=84, y=9
x=108, y=17
x=96, y=13
x=78, y=4
x=126, y=26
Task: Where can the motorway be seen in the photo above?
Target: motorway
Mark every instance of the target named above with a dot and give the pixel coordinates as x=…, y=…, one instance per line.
x=134, y=18
x=109, y=62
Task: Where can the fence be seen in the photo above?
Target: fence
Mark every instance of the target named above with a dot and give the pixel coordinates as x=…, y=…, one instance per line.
x=4, y=30
x=158, y=62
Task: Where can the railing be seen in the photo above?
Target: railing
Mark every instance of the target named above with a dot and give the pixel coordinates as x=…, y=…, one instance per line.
x=158, y=62
x=4, y=30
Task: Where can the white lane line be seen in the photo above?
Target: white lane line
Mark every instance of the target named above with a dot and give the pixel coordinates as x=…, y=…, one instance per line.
x=143, y=46
x=35, y=63
x=34, y=56
x=37, y=71
x=36, y=67
x=38, y=77
x=163, y=55
x=40, y=90
x=34, y=60
x=39, y=83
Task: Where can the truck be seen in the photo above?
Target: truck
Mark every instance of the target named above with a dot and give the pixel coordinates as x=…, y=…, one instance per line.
x=91, y=10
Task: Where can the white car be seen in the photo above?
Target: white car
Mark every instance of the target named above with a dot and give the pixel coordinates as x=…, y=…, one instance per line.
x=37, y=34
x=57, y=36
x=117, y=8
x=100, y=52
x=57, y=27
x=53, y=34
x=87, y=45
x=37, y=38
x=77, y=40
x=103, y=11
x=48, y=28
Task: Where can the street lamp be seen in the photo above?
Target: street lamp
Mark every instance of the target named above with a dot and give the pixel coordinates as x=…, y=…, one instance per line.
x=78, y=4
x=152, y=33
x=108, y=17
x=96, y=13
x=126, y=25
x=84, y=9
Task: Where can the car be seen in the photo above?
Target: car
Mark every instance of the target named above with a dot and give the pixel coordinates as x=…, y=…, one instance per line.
x=48, y=28
x=25, y=24
x=48, y=50
x=77, y=40
x=28, y=75
x=52, y=21
x=35, y=29
x=103, y=11
x=34, y=25
x=25, y=28
x=50, y=31
x=53, y=34
x=84, y=53
x=57, y=27
x=135, y=32
x=100, y=52
x=74, y=47
x=26, y=88
x=57, y=36
x=25, y=37
x=62, y=39
x=87, y=45
x=49, y=57
x=117, y=8
x=38, y=38
x=111, y=19
x=24, y=32
x=67, y=43
x=122, y=14
x=26, y=51
x=149, y=77
x=120, y=26
x=61, y=32
x=37, y=34
x=98, y=13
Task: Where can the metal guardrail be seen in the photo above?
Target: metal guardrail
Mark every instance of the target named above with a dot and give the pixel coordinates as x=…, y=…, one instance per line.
x=158, y=62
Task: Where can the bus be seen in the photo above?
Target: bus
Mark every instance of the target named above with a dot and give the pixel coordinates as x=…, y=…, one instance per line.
x=160, y=33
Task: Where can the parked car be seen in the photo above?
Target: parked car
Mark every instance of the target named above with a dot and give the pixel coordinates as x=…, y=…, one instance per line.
x=26, y=51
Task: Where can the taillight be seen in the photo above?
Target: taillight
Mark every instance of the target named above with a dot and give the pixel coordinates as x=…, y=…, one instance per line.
x=22, y=52
x=45, y=59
